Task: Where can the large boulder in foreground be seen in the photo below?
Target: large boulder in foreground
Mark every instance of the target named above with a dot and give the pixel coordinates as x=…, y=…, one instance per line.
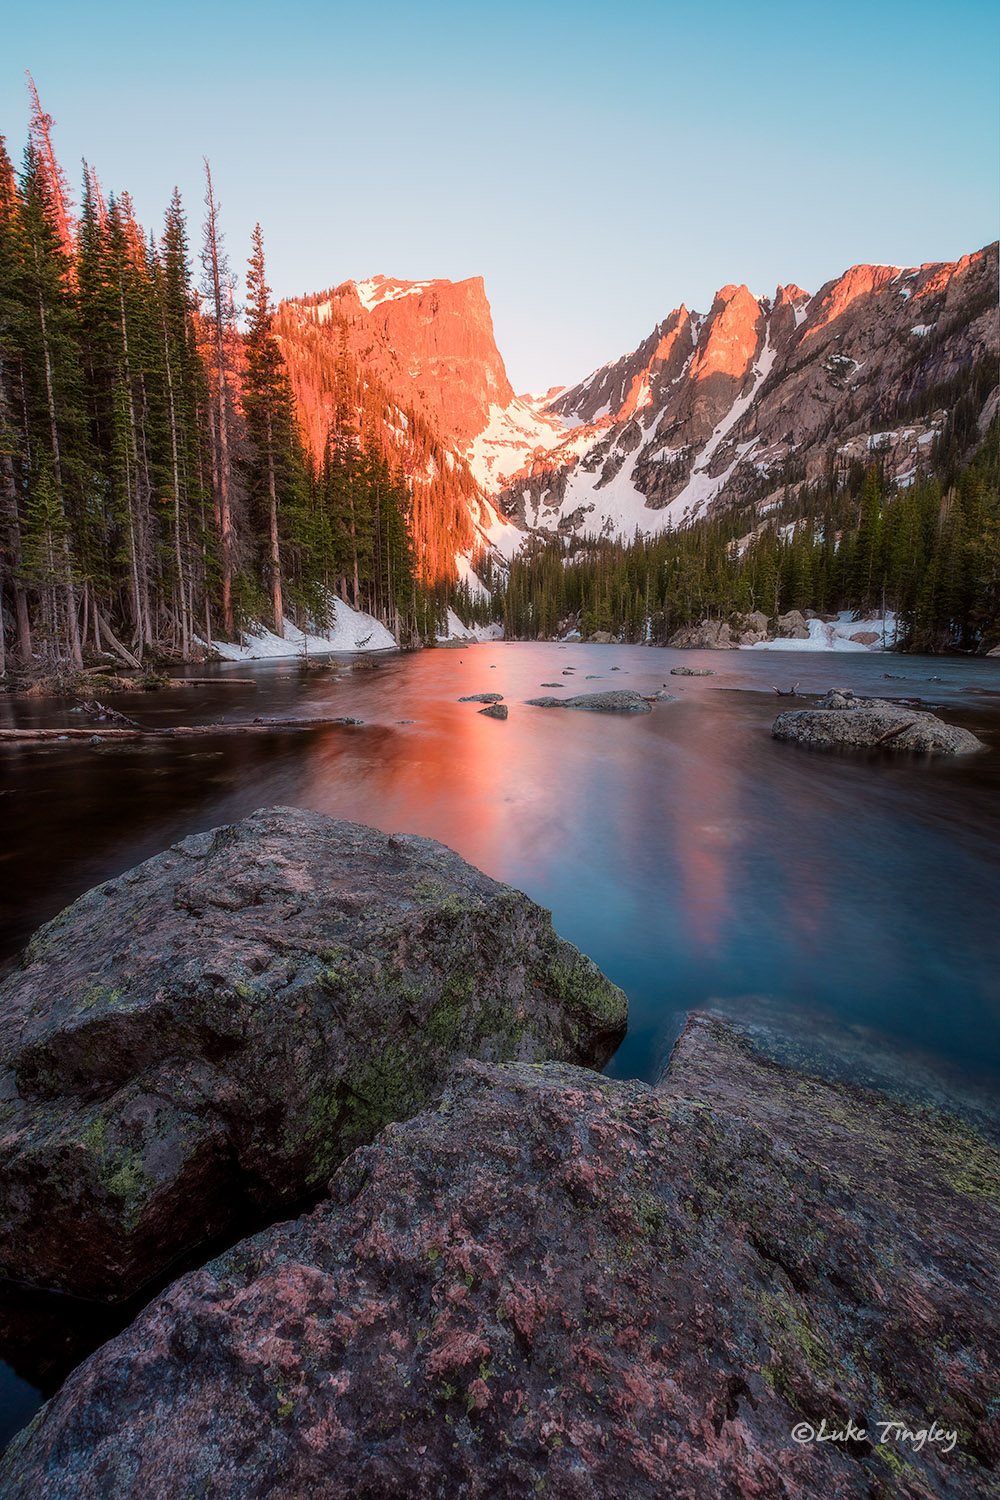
x=210, y=1033
x=616, y=700
x=874, y=723
x=554, y=1283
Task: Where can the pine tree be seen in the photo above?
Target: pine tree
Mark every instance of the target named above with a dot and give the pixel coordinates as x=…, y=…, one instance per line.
x=219, y=286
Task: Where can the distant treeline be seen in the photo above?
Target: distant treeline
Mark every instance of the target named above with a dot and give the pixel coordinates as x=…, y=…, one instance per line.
x=929, y=551
x=154, y=488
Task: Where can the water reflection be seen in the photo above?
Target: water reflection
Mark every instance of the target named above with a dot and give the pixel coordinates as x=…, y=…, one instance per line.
x=849, y=902
x=692, y=856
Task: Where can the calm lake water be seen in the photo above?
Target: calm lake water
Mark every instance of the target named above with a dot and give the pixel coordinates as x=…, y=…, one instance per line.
x=851, y=899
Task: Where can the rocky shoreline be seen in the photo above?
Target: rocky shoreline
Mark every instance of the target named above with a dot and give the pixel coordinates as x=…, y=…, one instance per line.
x=524, y=1278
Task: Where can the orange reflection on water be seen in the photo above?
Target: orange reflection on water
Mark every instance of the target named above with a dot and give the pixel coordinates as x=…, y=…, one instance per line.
x=708, y=832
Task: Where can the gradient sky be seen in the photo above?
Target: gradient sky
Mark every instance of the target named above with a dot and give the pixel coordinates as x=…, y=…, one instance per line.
x=597, y=164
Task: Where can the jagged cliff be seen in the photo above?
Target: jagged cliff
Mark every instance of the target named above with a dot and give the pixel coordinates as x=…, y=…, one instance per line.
x=711, y=408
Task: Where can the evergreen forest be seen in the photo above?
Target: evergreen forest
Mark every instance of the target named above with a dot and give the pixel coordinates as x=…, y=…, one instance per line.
x=157, y=493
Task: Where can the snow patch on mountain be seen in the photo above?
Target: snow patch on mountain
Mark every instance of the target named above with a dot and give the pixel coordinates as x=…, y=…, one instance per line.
x=378, y=289
x=513, y=434
x=702, y=487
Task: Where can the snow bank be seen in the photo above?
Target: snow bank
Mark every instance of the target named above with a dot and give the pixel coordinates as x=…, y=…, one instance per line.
x=836, y=635
x=351, y=631
x=456, y=631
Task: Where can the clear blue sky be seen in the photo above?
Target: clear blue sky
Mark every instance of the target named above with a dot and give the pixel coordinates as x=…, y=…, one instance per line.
x=597, y=164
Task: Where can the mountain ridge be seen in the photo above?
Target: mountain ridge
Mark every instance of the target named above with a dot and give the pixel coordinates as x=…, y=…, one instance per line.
x=709, y=409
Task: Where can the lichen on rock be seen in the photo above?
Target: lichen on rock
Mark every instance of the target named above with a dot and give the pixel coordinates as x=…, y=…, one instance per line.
x=555, y=1283
x=210, y=1033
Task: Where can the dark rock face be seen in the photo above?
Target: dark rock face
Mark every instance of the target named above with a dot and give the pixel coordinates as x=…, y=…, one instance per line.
x=615, y=700
x=482, y=698
x=495, y=711
x=874, y=723
x=556, y=1283
x=213, y=1031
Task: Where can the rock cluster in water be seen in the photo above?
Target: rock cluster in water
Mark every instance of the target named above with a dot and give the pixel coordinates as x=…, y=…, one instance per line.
x=616, y=700
x=874, y=723
x=210, y=1033
x=554, y=1283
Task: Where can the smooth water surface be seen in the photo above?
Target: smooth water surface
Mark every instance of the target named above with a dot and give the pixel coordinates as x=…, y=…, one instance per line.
x=692, y=856
x=697, y=860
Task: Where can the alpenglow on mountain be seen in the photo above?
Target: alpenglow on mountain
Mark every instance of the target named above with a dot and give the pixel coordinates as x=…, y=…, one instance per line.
x=712, y=409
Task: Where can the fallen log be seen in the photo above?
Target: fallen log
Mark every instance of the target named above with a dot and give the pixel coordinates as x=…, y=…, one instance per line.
x=112, y=640
x=178, y=731
x=213, y=681
x=99, y=711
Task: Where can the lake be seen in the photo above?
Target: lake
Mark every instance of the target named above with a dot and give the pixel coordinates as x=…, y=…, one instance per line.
x=850, y=900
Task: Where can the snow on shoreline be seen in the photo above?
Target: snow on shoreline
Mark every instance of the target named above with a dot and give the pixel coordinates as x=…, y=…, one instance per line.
x=352, y=630
x=456, y=631
x=836, y=635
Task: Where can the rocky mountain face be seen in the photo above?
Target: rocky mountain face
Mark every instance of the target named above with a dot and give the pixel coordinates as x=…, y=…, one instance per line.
x=430, y=342
x=418, y=361
x=711, y=409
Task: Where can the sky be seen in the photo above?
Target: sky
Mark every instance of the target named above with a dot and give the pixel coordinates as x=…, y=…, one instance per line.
x=597, y=164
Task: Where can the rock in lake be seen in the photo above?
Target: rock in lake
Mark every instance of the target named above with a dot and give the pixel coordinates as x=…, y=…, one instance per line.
x=691, y=672
x=618, y=700
x=210, y=1033
x=495, y=711
x=482, y=698
x=558, y=1283
x=876, y=723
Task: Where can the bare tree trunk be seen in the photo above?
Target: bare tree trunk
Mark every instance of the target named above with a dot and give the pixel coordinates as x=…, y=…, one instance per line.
x=72, y=624
x=279, y=613
x=22, y=619
x=214, y=268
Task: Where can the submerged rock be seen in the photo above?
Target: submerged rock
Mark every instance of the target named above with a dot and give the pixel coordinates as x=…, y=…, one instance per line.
x=876, y=723
x=482, y=698
x=557, y=1283
x=616, y=700
x=495, y=711
x=691, y=672
x=213, y=1031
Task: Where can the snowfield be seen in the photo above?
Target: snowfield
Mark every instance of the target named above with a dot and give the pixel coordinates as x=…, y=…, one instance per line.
x=352, y=630
x=836, y=635
x=456, y=631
